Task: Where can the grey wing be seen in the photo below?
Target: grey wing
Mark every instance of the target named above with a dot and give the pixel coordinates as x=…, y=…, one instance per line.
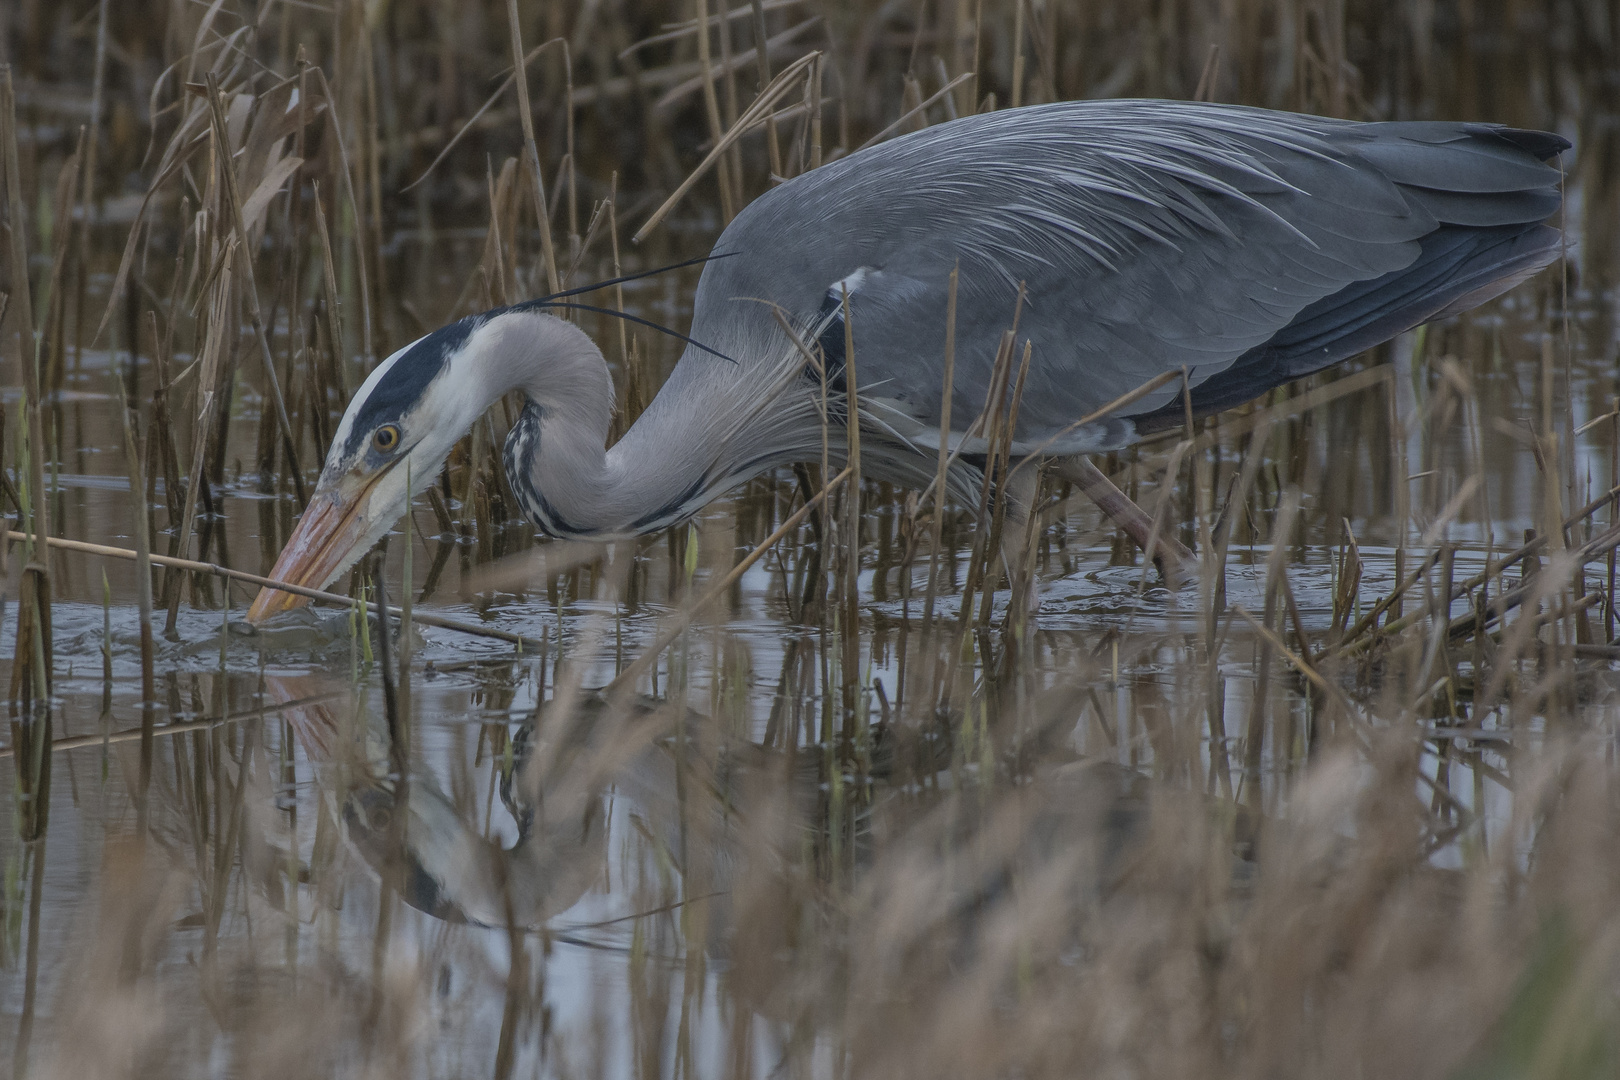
x=1248, y=246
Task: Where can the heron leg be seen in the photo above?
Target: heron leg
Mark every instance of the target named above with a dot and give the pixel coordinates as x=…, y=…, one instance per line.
x=1175, y=562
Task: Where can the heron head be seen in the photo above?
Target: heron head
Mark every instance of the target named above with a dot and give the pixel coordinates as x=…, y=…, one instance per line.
x=397, y=432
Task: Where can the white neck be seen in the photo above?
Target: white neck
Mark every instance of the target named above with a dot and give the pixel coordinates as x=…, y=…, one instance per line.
x=694, y=441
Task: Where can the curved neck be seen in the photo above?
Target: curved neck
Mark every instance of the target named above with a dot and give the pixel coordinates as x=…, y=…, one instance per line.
x=556, y=456
x=712, y=425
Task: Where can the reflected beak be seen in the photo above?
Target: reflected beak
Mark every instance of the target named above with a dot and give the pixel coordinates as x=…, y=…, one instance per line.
x=319, y=549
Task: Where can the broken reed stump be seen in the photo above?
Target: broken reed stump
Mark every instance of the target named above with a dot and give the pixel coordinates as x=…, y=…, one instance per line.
x=30, y=672
x=31, y=663
x=30, y=703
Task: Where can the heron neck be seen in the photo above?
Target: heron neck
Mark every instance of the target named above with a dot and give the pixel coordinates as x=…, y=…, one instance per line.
x=556, y=456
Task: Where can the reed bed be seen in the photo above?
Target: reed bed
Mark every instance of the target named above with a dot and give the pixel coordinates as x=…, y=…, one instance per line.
x=803, y=787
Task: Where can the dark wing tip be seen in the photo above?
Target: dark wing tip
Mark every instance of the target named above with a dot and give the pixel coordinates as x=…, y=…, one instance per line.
x=1545, y=145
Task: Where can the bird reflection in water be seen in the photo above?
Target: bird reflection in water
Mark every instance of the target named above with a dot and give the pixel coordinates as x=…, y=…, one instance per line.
x=565, y=773
x=435, y=857
x=736, y=830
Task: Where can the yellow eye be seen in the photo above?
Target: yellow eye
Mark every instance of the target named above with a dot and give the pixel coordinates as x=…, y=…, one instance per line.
x=386, y=439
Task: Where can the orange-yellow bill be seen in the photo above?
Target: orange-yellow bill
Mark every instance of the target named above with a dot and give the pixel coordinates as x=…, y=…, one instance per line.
x=318, y=550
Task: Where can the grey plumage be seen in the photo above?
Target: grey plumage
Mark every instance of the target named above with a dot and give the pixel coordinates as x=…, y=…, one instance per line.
x=1245, y=246
x=1251, y=246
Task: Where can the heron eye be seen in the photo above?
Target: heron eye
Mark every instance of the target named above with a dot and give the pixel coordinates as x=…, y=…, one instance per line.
x=386, y=439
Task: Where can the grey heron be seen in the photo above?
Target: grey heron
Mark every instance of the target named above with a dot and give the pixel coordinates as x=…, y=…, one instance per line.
x=1125, y=239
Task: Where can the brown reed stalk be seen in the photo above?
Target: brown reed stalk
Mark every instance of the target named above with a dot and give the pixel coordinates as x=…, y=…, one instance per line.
x=143, y=547
x=372, y=165
x=345, y=173
x=918, y=109
x=756, y=112
x=574, y=246
x=711, y=108
x=998, y=565
x=332, y=304
x=87, y=190
x=233, y=207
x=220, y=330
x=181, y=727
x=817, y=67
x=21, y=304
x=1356, y=636
x=225, y=572
x=991, y=420
x=531, y=153
x=55, y=299
x=762, y=59
x=677, y=623
x=936, y=537
x=31, y=679
x=851, y=532
x=161, y=456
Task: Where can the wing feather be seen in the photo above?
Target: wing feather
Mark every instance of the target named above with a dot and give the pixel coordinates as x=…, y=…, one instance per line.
x=1147, y=236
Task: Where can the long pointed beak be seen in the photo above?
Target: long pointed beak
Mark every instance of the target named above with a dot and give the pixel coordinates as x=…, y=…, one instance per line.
x=318, y=550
